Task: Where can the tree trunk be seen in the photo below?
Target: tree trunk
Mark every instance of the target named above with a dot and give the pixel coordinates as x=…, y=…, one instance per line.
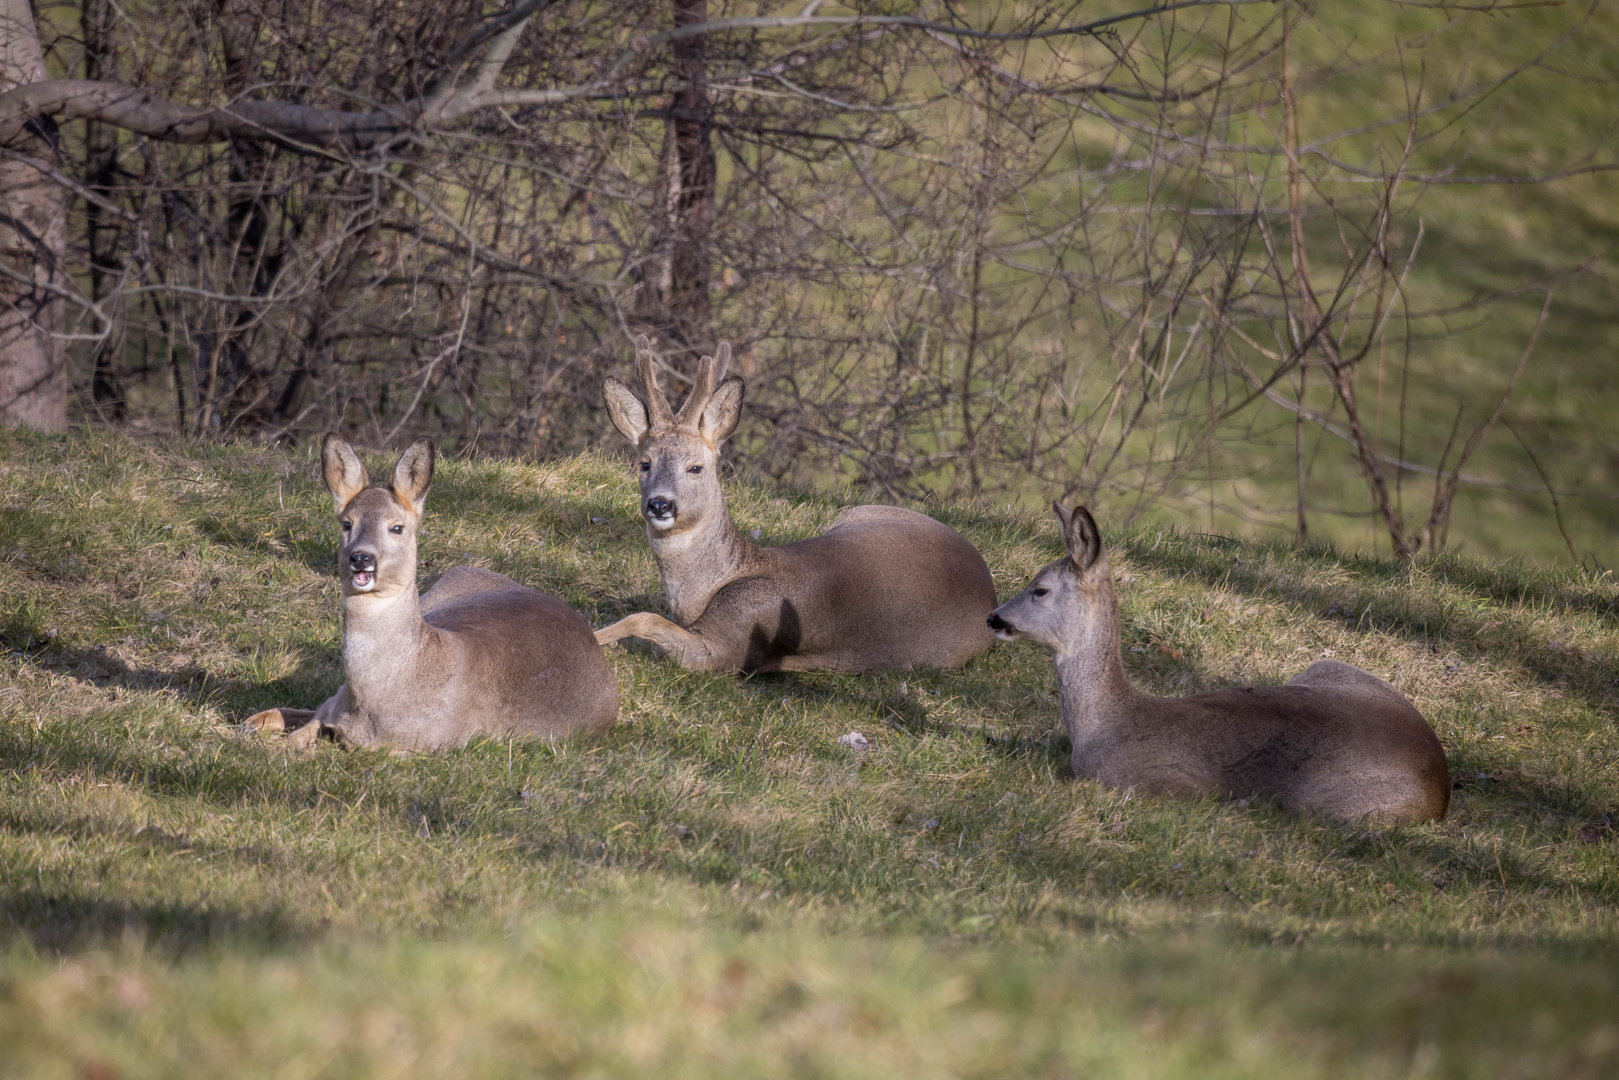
x=33, y=247
x=691, y=124
x=101, y=174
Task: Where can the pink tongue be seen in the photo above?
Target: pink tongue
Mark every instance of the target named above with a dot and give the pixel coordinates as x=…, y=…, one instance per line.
x=362, y=579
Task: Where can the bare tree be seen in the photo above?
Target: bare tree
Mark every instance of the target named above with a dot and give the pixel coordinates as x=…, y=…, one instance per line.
x=33, y=230
x=1003, y=251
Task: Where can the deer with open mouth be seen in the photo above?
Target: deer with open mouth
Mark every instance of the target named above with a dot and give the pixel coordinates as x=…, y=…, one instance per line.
x=477, y=654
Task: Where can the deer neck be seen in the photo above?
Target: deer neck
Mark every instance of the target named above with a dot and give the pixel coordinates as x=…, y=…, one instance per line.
x=1094, y=691
x=382, y=641
x=696, y=563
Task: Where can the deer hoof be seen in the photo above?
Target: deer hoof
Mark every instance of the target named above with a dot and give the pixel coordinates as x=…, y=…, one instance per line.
x=304, y=738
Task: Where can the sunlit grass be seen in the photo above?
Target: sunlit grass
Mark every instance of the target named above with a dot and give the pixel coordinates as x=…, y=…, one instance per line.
x=718, y=886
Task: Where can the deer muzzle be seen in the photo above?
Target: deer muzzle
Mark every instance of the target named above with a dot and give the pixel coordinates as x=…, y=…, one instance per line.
x=660, y=512
x=362, y=571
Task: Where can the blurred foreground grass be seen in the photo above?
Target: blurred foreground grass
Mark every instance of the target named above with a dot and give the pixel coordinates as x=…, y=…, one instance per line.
x=719, y=887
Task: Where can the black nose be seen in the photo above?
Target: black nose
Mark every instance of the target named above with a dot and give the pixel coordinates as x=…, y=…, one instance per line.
x=998, y=623
x=659, y=507
x=362, y=560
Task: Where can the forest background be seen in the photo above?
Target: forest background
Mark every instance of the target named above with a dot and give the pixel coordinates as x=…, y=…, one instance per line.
x=1335, y=271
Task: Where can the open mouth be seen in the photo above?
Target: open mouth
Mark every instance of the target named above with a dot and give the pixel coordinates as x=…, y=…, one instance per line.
x=364, y=580
x=1005, y=635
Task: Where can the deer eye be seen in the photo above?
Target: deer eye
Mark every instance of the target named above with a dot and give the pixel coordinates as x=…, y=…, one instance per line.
x=397, y=530
x=347, y=525
x=646, y=466
x=695, y=469
x=1038, y=592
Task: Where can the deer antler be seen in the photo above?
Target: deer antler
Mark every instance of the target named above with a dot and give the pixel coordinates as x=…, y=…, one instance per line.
x=658, y=411
x=710, y=370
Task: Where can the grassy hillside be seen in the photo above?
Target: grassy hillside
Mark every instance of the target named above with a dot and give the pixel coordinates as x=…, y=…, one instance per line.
x=718, y=887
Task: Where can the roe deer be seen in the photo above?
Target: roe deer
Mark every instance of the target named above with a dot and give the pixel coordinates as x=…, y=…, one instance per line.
x=478, y=654
x=882, y=587
x=1335, y=739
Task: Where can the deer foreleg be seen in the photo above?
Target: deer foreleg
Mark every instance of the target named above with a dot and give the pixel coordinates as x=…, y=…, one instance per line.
x=279, y=719
x=687, y=649
x=301, y=726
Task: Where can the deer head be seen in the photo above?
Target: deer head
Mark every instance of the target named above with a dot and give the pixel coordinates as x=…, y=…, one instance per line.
x=378, y=556
x=1069, y=599
x=678, y=453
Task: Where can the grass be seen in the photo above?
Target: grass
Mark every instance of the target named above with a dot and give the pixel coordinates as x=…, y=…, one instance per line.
x=718, y=886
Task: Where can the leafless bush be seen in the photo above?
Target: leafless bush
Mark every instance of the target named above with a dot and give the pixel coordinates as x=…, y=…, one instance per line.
x=994, y=250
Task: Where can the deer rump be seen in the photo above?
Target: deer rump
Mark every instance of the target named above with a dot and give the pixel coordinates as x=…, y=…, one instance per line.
x=499, y=627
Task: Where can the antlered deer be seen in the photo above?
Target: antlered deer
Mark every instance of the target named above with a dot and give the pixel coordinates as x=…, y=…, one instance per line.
x=882, y=587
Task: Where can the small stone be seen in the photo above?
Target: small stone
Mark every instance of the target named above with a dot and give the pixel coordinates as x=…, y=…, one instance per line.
x=854, y=740
x=757, y=533
x=931, y=823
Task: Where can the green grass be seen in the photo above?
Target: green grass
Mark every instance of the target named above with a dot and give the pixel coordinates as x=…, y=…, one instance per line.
x=718, y=887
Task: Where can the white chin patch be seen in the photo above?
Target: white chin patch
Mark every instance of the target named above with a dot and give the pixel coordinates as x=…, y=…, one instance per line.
x=661, y=524
x=364, y=581
x=1005, y=635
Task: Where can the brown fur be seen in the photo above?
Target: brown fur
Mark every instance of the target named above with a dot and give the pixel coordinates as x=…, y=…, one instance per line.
x=1335, y=739
x=883, y=587
x=477, y=654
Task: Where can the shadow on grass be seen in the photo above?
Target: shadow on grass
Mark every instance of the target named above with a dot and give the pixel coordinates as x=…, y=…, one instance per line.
x=196, y=685
x=54, y=923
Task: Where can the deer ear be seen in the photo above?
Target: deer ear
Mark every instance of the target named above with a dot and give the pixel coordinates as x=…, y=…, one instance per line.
x=414, y=475
x=1063, y=516
x=721, y=411
x=1082, y=537
x=625, y=409
x=341, y=469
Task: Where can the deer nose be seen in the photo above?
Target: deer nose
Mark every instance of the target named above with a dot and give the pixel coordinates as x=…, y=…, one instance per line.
x=998, y=623
x=659, y=507
x=362, y=560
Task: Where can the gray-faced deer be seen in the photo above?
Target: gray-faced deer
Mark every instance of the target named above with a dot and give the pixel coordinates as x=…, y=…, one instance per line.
x=1335, y=739
x=478, y=654
x=882, y=587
